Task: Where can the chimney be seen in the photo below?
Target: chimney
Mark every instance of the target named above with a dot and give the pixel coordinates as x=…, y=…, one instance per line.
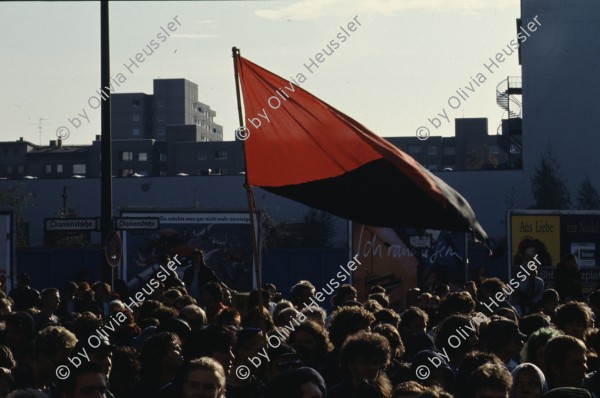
x=20, y=139
x=97, y=137
x=59, y=143
x=52, y=143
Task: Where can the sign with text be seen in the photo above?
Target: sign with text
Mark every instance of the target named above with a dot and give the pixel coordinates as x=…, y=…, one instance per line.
x=136, y=223
x=71, y=224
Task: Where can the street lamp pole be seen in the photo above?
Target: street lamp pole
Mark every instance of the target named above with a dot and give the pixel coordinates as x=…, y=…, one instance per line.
x=106, y=222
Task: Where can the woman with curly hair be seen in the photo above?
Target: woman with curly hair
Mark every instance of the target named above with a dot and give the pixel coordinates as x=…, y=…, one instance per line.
x=310, y=340
x=365, y=357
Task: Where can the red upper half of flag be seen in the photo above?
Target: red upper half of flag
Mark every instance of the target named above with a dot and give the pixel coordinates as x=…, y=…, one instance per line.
x=297, y=138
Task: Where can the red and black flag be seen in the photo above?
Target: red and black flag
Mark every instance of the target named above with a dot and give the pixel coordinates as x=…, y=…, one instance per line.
x=305, y=150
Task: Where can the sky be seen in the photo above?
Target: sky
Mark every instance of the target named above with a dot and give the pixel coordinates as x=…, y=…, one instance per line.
x=397, y=69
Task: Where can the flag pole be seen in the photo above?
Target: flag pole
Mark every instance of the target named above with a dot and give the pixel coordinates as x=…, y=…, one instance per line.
x=249, y=193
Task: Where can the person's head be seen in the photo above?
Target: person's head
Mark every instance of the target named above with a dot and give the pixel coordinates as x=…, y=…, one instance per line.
x=213, y=341
x=441, y=291
x=470, y=363
x=311, y=342
x=471, y=288
x=408, y=389
x=126, y=371
x=197, y=258
x=102, y=291
x=230, y=316
x=170, y=296
x=456, y=303
x=193, y=315
x=565, y=362
x=52, y=347
x=254, y=295
x=504, y=338
x=298, y=383
x=160, y=353
x=19, y=329
x=528, y=382
x=489, y=381
x=573, y=318
x=535, y=347
x=489, y=288
x=282, y=357
x=413, y=322
x=86, y=381
x=285, y=316
x=212, y=293
x=533, y=322
x=347, y=321
x=447, y=336
x=253, y=319
x=344, y=293
x=50, y=299
x=301, y=293
x=550, y=299
x=393, y=338
x=365, y=356
x=316, y=314
x=203, y=378
x=388, y=316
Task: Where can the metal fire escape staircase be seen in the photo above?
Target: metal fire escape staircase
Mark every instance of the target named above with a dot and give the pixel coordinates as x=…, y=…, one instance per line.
x=511, y=138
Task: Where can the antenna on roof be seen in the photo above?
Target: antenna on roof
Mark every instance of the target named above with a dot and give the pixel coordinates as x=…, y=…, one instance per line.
x=39, y=124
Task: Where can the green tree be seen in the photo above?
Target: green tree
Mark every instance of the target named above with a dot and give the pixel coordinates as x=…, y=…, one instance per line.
x=587, y=196
x=548, y=188
x=18, y=199
x=275, y=233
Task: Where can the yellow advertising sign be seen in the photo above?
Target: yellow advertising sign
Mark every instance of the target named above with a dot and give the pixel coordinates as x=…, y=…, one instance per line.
x=535, y=234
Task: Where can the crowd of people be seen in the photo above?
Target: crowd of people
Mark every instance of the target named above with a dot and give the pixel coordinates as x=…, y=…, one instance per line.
x=197, y=338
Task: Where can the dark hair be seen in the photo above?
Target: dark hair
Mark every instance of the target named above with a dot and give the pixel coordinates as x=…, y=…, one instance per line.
x=323, y=345
x=412, y=314
x=346, y=321
x=67, y=386
x=214, y=289
x=393, y=337
x=492, y=376
x=533, y=322
x=154, y=349
x=388, y=316
x=365, y=345
x=556, y=352
x=456, y=303
x=205, y=341
x=573, y=311
x=470, y=362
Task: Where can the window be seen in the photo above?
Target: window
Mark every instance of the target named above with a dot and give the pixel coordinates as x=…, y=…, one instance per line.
x=160, y=131
x=135, y=104
x=79, y=168
x=494, y=149
x=48, y=168
x=432, y=150
x=59, y=168
x=414, y=149
x=136, y=131
x=221, y=155
x=135, y=118
x=214, y=130
x=160, y=104
x=160, y=118
x=449, y=151
x=162, y=157
x=202, y=155
x=126, y=156
x=125, y=172
x=143, y=157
